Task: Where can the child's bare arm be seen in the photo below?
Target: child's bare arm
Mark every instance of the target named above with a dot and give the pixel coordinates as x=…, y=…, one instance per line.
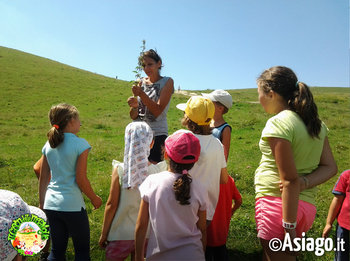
x=37, y=166
x=226, y=140
x=326, y=169
x=224, y=176
x=111, y=207
x=44, y=179
x=236, y=205
x=141, y=230
x=83, y=182
x=333, y=211
x=202, y=225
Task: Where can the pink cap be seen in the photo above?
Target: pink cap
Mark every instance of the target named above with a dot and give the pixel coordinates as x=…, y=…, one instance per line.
x=183, y=144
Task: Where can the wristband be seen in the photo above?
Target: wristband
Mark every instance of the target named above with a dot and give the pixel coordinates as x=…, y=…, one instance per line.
x=289, y=225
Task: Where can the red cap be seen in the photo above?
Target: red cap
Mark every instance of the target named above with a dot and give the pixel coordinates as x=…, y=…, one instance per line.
x=182, y=144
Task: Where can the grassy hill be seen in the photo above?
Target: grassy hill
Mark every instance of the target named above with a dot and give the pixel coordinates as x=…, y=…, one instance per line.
x=30, y=85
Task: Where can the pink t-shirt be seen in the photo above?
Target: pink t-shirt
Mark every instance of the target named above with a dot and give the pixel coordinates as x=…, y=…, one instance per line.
x=342, y=187
x=174, y=234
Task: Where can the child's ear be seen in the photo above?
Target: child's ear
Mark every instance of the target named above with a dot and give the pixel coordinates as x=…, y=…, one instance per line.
x=166, y=157
x=151, y=145
x=271, y=94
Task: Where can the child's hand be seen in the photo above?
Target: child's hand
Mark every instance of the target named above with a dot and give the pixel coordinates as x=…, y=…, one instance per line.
x=96, y=202
x=327, y=229
x=103, y=241
x=281, y=186
x=132, y=101
x=301, y=185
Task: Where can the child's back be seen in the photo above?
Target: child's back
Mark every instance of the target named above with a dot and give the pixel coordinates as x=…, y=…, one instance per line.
x=174, y=205
x=210, y=169
x=122, y=207
x=207, y=169
x=124, y=221
x=63, y=192
x=174, y=232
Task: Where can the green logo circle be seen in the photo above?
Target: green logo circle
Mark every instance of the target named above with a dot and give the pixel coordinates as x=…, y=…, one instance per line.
x=28, y=234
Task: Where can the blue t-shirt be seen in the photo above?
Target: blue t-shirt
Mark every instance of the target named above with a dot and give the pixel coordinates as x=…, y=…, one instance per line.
x=63, y=193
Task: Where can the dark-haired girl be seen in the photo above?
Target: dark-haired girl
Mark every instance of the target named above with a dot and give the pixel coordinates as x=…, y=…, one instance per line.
x=151, y=101
x=174, y=206
x=296, y=157
x=65, y=161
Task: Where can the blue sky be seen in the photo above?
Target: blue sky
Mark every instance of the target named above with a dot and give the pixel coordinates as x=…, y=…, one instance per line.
x=222, y=44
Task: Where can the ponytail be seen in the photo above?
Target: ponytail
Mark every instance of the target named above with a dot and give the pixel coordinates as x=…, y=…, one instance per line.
x=59, y=116
x=182, y=189
x=182, y=185
x=303, y=104
x=283, y=81
x=55, y=137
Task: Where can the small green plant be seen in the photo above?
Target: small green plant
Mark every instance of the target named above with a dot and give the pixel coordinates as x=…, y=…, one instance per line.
x=139, y=67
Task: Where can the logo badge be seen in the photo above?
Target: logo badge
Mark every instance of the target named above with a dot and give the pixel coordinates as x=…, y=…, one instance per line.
x=28, y=234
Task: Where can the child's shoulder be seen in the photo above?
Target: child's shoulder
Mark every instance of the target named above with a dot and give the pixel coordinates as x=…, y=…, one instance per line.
x=343, y=183
x=157, y=177
x=156, y=168
x=344, y=177
x=78, y=140
x=153, y=182
x=346, y=174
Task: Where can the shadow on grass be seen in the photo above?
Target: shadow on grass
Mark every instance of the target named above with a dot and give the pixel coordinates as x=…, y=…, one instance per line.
x=242, y=256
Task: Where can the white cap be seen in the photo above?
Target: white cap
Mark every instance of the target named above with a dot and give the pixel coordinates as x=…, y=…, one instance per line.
x=221, y=96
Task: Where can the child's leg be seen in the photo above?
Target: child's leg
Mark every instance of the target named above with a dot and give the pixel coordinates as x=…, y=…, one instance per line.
x=218, y=253
x=156, y=153
x=79, y=230
x=342, y=234
x=221, y=253
x=209, y=253
x=58, y=234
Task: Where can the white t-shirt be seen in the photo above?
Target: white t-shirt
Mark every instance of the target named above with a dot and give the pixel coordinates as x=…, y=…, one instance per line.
x=207, y=169
x=174, y=234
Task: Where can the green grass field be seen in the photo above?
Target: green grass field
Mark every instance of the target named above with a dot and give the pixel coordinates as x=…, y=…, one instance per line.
x=30, y=85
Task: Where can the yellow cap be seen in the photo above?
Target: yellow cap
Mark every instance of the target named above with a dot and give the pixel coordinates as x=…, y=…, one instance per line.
x=199, y=109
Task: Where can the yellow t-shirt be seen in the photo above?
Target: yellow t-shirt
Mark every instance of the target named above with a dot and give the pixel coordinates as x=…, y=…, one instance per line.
x=306, y=151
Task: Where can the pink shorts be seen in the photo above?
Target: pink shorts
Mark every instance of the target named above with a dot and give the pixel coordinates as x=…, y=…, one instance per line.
x=119, y=250
x=268, y=217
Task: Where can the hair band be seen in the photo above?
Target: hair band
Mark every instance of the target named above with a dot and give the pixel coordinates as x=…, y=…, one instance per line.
x=297, y=84
x=56, y=126
x=184, y=172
